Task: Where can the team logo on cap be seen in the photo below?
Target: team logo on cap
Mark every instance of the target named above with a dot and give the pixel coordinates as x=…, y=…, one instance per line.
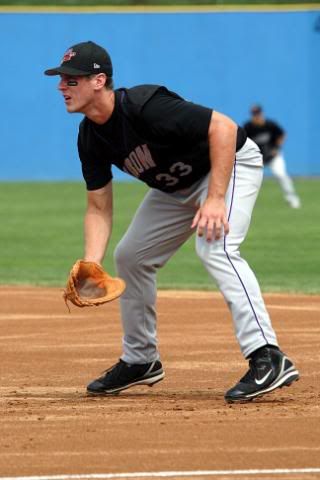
x=68, y=55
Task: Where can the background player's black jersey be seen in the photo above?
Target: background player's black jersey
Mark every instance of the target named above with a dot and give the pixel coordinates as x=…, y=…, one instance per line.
x=152, y=134
x=265, y=136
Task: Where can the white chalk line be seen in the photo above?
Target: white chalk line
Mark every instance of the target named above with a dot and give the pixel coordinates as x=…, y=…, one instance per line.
x=59, y=316
x=304, y=308
x=37, y=316
x=191, y=473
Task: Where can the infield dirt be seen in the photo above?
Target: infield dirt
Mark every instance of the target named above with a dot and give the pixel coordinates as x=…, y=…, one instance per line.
x=50, y=426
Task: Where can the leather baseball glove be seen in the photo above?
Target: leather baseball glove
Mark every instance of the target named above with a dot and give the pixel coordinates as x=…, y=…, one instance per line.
x=88, y=284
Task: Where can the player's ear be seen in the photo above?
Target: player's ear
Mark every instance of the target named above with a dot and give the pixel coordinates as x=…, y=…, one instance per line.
x=100, y=81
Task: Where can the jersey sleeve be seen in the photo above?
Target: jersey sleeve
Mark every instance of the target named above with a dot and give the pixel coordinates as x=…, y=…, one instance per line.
x=96, y=170
x=276, y=130
x=168, y=116
x=247, y=127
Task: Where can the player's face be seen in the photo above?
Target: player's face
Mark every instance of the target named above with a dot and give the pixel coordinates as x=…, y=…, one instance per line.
x=77, y=92
x=257, y=118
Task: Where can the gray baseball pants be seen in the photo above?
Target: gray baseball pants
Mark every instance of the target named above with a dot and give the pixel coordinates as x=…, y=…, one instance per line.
x=160, y=226
x=279, y=170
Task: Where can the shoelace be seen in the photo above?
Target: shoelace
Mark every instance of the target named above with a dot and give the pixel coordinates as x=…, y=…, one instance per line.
x=254, y=365
x=115, y=370
x=250, y=375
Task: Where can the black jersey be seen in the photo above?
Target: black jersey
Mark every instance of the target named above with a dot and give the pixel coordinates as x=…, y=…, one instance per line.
x=265, y=136
x=153, y=135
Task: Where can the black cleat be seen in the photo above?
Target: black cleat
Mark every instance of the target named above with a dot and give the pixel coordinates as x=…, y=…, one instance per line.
x=123, y=375
x=269, y=368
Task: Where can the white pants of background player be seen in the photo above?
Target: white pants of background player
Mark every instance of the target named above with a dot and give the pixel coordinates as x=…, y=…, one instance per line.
x=278, y=168
x=160, y=226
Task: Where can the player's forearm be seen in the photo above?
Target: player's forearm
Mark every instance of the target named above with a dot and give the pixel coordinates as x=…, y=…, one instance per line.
x=222, y=145
x=280, y=141
x=97, y=232
x=98, y=223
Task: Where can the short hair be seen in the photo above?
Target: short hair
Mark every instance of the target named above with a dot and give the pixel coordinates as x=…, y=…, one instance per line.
x=109, y=85
x=109, y=81
x=256, y=109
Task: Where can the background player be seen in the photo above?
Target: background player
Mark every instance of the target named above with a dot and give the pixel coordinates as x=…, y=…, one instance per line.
x=204, y=176
x=269, y=136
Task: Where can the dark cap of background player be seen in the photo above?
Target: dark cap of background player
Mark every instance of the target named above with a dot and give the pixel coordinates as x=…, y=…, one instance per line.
x=256, y=110
x=86, y=58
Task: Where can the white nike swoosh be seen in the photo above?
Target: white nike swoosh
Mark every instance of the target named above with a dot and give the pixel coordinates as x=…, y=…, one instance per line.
x=263, y=379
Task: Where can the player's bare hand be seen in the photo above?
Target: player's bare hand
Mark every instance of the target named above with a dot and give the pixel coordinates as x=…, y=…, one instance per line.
x=212, y=218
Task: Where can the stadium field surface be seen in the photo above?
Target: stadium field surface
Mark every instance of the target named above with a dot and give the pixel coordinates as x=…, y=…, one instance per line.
x=182, y=427
x=42, y=236
x=51, y=430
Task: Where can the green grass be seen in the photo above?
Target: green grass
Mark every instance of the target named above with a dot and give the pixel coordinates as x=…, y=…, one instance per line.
x=41, y=236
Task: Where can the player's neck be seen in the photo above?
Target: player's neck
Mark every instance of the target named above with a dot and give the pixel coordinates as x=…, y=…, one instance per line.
x=260, y=122
x=101, y=109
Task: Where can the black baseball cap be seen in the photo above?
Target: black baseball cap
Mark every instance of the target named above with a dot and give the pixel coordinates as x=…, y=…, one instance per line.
x=256, y=109
x=82, y=59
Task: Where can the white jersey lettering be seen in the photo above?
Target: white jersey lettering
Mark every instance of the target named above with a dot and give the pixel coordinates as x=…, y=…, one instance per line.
x=129, y=168
x=138, y=161
x=145, y=157
x=135, y=162
x=168, y=179
x=181, y=168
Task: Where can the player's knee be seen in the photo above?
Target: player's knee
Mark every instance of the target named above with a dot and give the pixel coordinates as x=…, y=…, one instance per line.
x=124, y=255
x=206, y=251
x=200, y=250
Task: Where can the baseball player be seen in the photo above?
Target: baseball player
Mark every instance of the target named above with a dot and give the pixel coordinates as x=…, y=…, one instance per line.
x=269, y=137
x=204, y=176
